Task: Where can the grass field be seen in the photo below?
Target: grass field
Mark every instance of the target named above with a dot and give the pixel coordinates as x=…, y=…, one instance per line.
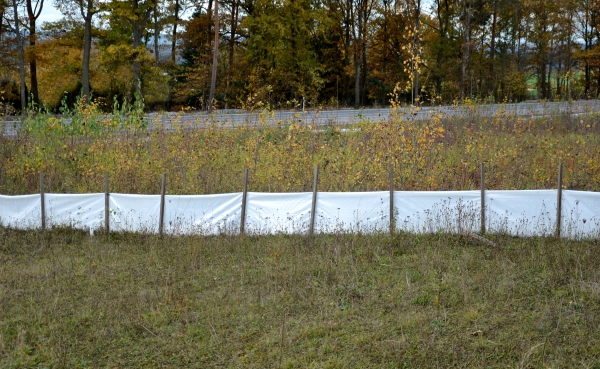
x=339, y=301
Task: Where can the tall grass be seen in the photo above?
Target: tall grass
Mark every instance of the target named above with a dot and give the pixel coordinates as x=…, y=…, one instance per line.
x=443, y=153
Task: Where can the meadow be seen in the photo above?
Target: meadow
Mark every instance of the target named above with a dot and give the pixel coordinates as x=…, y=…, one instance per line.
x=339, y=301
x=330, y=301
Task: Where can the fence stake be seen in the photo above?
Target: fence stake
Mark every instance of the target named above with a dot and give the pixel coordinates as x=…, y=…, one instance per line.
x=482, y=199
x=162, y=204
x=392, y=220
x=559, y=200
x=314, y=201
x=43, y=202
x=106, y=204
x=244, y=197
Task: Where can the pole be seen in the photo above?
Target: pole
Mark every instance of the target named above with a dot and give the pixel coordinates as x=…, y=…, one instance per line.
x=314, y=201
x=392, y=220
x=42, y=201
x=162, y=204
x=106, y=204
x=559, y=200
x=482, y=199
x=244, y=197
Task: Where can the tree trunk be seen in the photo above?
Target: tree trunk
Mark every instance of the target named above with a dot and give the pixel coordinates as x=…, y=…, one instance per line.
x=558, y=80
x=569, y=55
x=442, y=29
x=550, y=62
x=542, y=80
x=2, y=11
x=416, y=46
x=139, y=24
x=135, y=66
x=549, y=85
x=234, y=20
x=466, y=49
x=598, y=85
x=208, y=54
x=87, y=47
x=386, y=46
x=347, y=38
x=21, y=60
x=357, y=61
x=156, y=33
x=587, y=40
x=213, y=80
x=174, y=36
x=492, y=78
x=33, y=65
x=364, y=74
x=33, y=12
x=235, y=6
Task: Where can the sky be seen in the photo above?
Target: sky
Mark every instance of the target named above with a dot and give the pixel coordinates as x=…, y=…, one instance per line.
x=49, y=13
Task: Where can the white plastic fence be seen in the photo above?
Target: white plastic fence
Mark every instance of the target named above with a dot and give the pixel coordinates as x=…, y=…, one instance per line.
x=519, y=213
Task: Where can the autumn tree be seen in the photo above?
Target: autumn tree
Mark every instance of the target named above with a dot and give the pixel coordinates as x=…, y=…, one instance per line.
x=279, y=50
x=325, y=51
x=195, y=52
x=87, y=9
x=136, y=15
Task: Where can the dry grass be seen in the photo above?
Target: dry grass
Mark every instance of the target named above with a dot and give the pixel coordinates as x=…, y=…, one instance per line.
x=339, y=301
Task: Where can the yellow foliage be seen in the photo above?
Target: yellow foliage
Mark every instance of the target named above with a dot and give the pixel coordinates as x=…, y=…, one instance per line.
x=437, y=154
x=59, y=70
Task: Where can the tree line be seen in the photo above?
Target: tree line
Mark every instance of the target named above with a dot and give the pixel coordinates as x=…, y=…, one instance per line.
x=173, y=54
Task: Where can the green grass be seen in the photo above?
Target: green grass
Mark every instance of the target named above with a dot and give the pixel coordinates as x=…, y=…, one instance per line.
x=339, y=301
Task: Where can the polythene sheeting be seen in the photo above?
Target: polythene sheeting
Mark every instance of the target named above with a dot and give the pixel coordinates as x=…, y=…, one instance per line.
x=580, y=214
x=521, y=213
x=203, y=214
x=440, y=211
x=346, y=212
x=134, y=213
x=21, y=212
x=272, y=213
x=79, y=211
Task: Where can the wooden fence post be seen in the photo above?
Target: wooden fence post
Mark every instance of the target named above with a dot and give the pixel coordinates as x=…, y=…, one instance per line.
x=482, y=199
x=313, y=208
x=106, y=204
x=162, y=204
x=42, y=201
x=392, y=220
x=559, y=201
x=244, y=197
